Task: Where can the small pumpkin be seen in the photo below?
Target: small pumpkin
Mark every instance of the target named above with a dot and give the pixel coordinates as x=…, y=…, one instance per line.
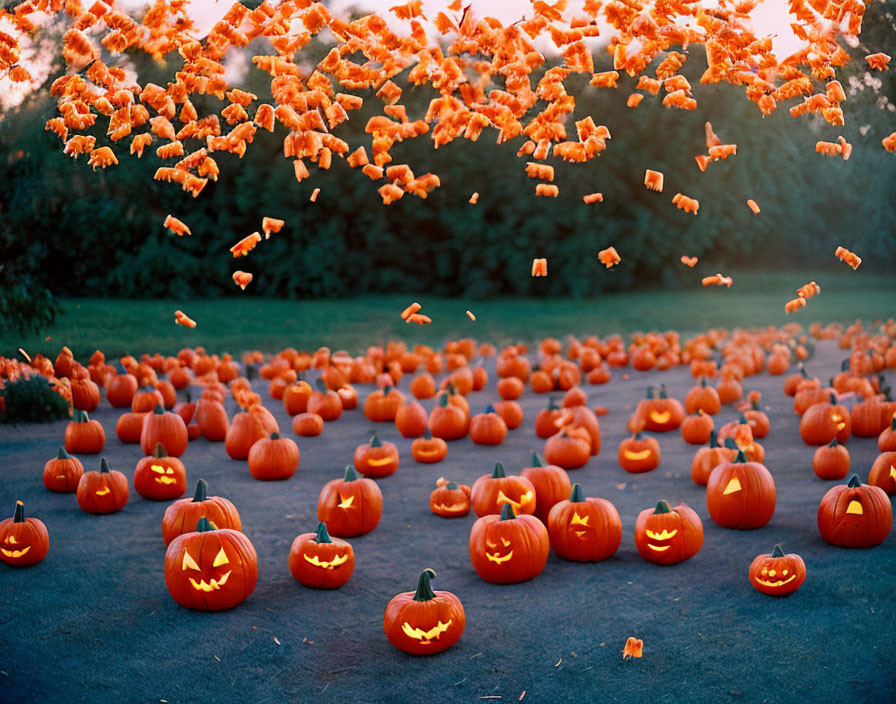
x=376, y=458
x=831, y=461
x=777, y=574
x=23, y=541
x=296, y=396
x=129, y=427
x=425, y=621
x=511, y=412
x=160, y=476
x=741, y=494
x=146, y=399
x=211, y=417
x=639, y=453
x=325, y=403
x=551, y=484
x=63, y=472
x=447, y=421
x=423, y=386
x=510, y=388
x=183, y=515
x=695, y=430
x=318, y=561
x=570, y=448
x=212, y=569
x=546, y=422
x=824, y=421
x=307, y=425
x=84, y=436
x=487, y=428
x=245, y=430
x=855, y=515
x=708, y=458
x=450, y=500
x=658, y=412
x=273, y=458
x=702, y=397
x=492, y=491
x=411, y=420
x=164, y=427
x=428, y=449
x=584, y=530
x=883, y=472
x=120, y=388
x=666, y=535
x=103, y=491
x=382, y=406
x=759, y=422
x=350, y=506
x=507, y=549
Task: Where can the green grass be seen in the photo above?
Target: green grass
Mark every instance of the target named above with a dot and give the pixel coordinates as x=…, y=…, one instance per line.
x=236, y=324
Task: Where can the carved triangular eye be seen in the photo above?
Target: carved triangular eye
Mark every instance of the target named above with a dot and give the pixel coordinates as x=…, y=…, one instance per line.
x=220, y=559
x=189, y=562
x=157, y=468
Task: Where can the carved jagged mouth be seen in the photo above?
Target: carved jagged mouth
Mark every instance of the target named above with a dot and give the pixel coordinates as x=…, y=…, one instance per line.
x=504, y=499
x=640, y=455
x=331, y=565
x=426, y=637
x=494, y=557
x=779, y=583
x=664, y=535
x=212, y=585
x=166, y=480
x=452, y=508
x=892, y=472
x=345, y=503
x=380, y=463
x=580, y=533
x=15, y=553
x=660, y=416
x=102, y=492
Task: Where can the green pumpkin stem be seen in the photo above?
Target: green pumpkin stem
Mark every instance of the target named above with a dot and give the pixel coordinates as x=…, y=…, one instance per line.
x=443, y=400
x=204, y=525
x=536, y=460
x=552, y=405
x=159, y=451
x=832, y=397
x=201, y=492
x=451, y=486
x=507, y=513
x=322, y=535
x=424, y=591
x=451, y=389
x=350, y=474
x=158, y=410
x=778, y=551
x=833, y=443
x=577, y=496
x=427, y=435
x=490, y=409
x=104, y=466
x=703, y=382
x=386, y=389
x=730, y=444
x=854, y=482
x=375, y=441
x=19, y=514
x=743, y=419
x=639, y=435
x=754, y=404
x=662, y=506
x=663, y=392
x=274, y=436
x=713, y=439
x=498, y=472
x=893, y=423
x=741, y=457
x=63, y=455
x=651, y=392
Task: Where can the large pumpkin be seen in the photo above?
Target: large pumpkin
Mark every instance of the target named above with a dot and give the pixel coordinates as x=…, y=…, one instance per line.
x=741, y=494
x=425, y=621
x=376, y=458
x=350, y=506
x=883, y=472
x=507, y=549
x=23, y=541
x=823, y=422
x=777, y=574
x=319, y=562
x=84, y=436
x=164, y=427
x=103, y=491
x=160, y=477
x=667, y=535
x=273, y=458
x=493, y=491
x=584, y=529
x=855, y=515
x=63, y=472
x=183, y=516
x=551, y=484
x=212, y=569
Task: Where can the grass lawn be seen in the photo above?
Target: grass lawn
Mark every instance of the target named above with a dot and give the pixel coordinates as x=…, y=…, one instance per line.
x=239, y=323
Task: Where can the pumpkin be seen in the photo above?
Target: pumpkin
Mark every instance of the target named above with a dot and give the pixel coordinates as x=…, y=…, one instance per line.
x=179, y=377
x=423, y=386
x=695, y=430
x=103, y=491
x=865, y=418
x=296, y=396
x=212, y=569
x=63, y=472
x=570, y=448
x=506, y=548
x=831, y=461
x=428, y=449
x=273, y=458
x=487, y=428
x=169, y=394
x=883, y=472
x=307, y=425
x=245, y=430
x=411, y=420
x=450, y=500
x=586, y=419
x=183, y=516
x=824, y=421
x=584, y=530
x=161, y=476
x=659, y=413
x=425, y=621
x=886, y=441
x=511, y=412
x=855, y=515
x=758, y=421
x=376, y=458
x=667, y=536
x=84, y=436
x=348, y=395
x=382, y=406
x=146, y=399
x=319, y=562
x=777, y=574
x=325, y=403
x=85, y=394
x=454, y=398
x=448, y=421
x=702, y=397
x=808, y=397
x=23, y=541
x=639, y=453
x=546, y=422
x=351, y=506
x=493, y=491
x=708, y=458
x=166, y=428
x=510, y=388
x=120, y=389
x=741, y=494
x=541, y=382
x=738, y=435
x=729, y=390
x=129, y=427
x=186, y=409
x=793, y=382
x=211, y=417
x=551, y=485
x=575, y=397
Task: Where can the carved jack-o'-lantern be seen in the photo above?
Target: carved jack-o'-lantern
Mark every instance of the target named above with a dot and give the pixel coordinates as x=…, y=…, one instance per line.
x=883, y=472
x=183, y=516
x=667, y=535
x=160, y=477
x=855, y=515
x=376, y=458
x=103, y=491
x=318, y=561
x=777, y=574
x=351, y=506
x=63, y=472
x=493, y=491
x=824, y=421
x=657, y=413
x=450, y=500
x=584, y=530
x=23, y=541
x=507, y=549
x=425, y=621
x=741, y=494
x=639, y=453
x=212, y=569
x=428, y=449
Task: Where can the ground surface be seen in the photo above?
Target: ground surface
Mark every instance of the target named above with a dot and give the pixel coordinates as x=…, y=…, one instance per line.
x=94, y=621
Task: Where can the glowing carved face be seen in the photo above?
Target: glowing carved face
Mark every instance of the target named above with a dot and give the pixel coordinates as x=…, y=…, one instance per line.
x=524, y=500
x=732, y=486
x=660, y=416
x=855, y=508
x=382, y=462
x=345, y=502
x=213, y=584
x=838, y=421
x=15, y=552
x=326, y=565
x=102, y=492
x=163, y=474
x=768, y=578
x=892, y=472
x=577, y=520
x=426, y=637
x=638, y=455
x=494, y=556
x=661, y=536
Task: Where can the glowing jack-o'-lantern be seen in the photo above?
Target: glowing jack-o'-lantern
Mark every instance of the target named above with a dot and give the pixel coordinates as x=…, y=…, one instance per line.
x=63, y=472
x=318, y=561
x=667, y=535
x=160, y=477
x=777, y=574
x=639, y=453
x=103, y=491
x=351, y=506
x=425, y=621
x=212, y=569
x=450, y=500
x=507, y=549
x=493, y=491
x=183, y=516
x=376, y=458
x=584, y=530
x=23, y=541
x=855, y=515
x=741, y=494
x=427, y=449
x=824, y=421
x=551, y=485
x=883, y=472
x=657, y=413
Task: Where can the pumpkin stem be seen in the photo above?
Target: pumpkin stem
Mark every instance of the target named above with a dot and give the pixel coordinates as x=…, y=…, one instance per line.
x=203, y=525
x=158, y=410
x=63, y=455
x=651, y=392
x=703, y=382
x=833, y=443
x=350, y=474
x=427, y=435
x=832, y=398
x=19, y=515
x=713, y=439
x=844, y=365
x=577, y=496
x=754, y=404
x=375, y=441
x=274, y=436
x=893, y=423
x=741, y=457
x=443, y=400
x=730, y=444
x=450, y=388
x=803, y=372
x=104, y=466
x=189, y=396
x=451, y=486
x=743, y=419
x=536, y=460
x=159, y=451
x=854, y=482
x=489, y=409
x=424, y=591
x=639, y=435
x=79, y=416
x=663, y=392
x=507, y=513
x=499, y=471
x=386, y=390
x=662, y=506
x=552, y=405
x=778, y=551
x=322, y=535
x=201, y=492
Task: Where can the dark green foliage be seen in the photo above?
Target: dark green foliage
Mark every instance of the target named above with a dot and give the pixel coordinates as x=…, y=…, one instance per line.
x=32, y=400
x=27, y=308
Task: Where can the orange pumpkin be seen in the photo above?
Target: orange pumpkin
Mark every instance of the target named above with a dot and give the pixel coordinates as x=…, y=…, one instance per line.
x=411, y=420
x=183, y=515
x=319, y=562
x=273, y=458
x=376, y=458
x=487, y=428
x=666, y=535
x=63, y=472
x=831, y=461
x=855, y=515
x=492, y=491
x=695, y=430
x=23, y=541
x=245, y=430
x=584, y=529
x=551, y=485
x=84, y=436
x=883, y=472
x=427, y=449
x=350, y=506
x=425, y=621
x=450, y=500
x=506, y=548
x=824, y=421
x=639, y=453
x=166, y=428
x=308, y=425
x=741, y=494
x=103, y=491
x=160, y=476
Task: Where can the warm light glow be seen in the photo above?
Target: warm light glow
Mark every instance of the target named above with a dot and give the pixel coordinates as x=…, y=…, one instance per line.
x=660, y=416
x=498, y=559
x=426, y=637
x=524, y=499
x=855, y=507
x=733, y=486
x=221, y=559
x=665, y=535
x=324, y=565
x=212, y=584
x=102, y=492
x=345, y=503
x=11, y=540
x=637, y=456
x=15, y=553
x=381, y=462
x=189, y=562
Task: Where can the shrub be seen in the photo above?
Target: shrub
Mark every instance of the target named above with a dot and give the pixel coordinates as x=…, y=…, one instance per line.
x=31, y=400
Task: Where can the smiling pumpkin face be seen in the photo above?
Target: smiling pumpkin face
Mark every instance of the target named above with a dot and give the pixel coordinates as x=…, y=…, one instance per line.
x=211, y=569
x=855, y=515
x=318, y=561
x=777, y=574
x=23, y=541
x=160, y=477
x=429, y=450
x=507, y=549
x=493, y=491
x=584, y=529
x=376, y=458
x=667, y=535
x=450, y=500
x=425, y=621
x=639, y=453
